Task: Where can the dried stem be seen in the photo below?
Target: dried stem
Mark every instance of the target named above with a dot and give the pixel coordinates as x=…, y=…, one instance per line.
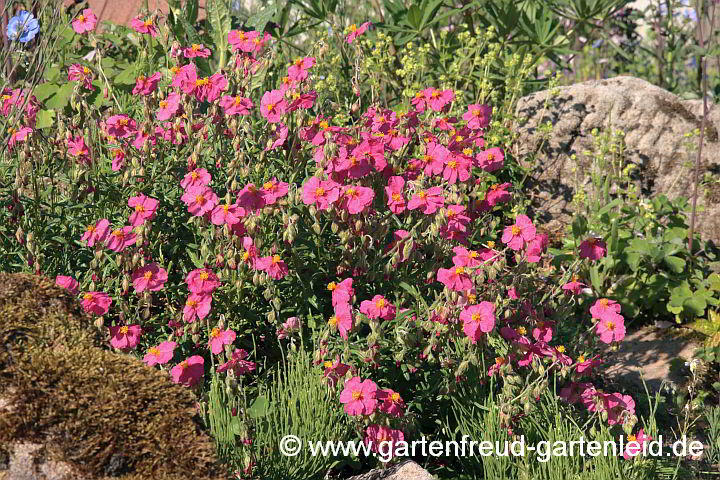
x=703, y=123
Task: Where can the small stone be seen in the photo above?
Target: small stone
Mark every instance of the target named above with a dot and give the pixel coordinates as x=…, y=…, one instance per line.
x=407, y=470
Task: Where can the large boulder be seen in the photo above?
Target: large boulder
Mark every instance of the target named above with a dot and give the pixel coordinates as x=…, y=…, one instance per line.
x=655, y=123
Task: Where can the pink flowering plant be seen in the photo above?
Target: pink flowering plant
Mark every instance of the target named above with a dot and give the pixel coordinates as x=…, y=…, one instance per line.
x=231, y=202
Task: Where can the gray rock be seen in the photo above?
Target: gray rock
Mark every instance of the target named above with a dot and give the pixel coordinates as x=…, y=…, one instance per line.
x=655, y=123
x=407, y=470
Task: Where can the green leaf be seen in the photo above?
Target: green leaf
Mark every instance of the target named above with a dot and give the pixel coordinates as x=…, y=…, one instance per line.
x=595, y=279
x=45, y=90
x=641, y=245
x=196, y=260
x=261, y=18
x=62, y=97
x=218, y=15
x=695, y=305
x=675, y=264
x=714, y=280
x=259, y=407
x=579, y=226
x=44, y=119
x=126, y=76
x=414, y=17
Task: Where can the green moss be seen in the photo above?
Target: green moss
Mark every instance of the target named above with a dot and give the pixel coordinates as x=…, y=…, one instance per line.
x=34, y=311
x=104, y=413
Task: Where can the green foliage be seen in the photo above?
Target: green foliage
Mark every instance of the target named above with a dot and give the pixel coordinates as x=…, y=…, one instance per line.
x=712, y=416
x=647, y=268
x=293, y=399
x=478, y=416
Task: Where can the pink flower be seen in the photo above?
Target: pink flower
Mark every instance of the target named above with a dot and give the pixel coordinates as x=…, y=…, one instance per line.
x=146, y=85
x=248, y=42
x=356, y=199
x=251, y=198
x=574, y=287
x=272, y=190
x=536, y=247
x=356, y=31
x=516, y=235
x=189, y=372
x=298, y=70
x=84, y=22
x=273, y=106
x=593, y=248
x=97, y=303
x=394, y=192
x=342, y=319
x=197, y=305
x=238, y=105
x=202, y=280
x=619, y=407
x=118, y=160
x=199, y=200
x=438, y=99
x=359, y=397
x=478, y=319
x=150, y=277
x=96, y=233
x=169, y=107
x=611, y=328
x=160, y=355
x=228, y=213
x=477, y=116
x=220, y=338
x=144, y=26
x=143, y=209
x=456, y=219
x=278, y=135
x=341, y=292
x=78, y=73
x=250, y=254
x=18, y=136
x=78, y=149
x=429, y=200
x=497, y=193
x=120, y=239
x=196, y=50
x=237, y=363
x=455, y=278
x=121, y=126
x=392, y=402
x=466, y=258
x=456, y=168
x=125, y=337
x=434, y=159
x=378, y=307
x=635, y=444
x=334, y=371
x=290, y=326
x=491, y=159
x=273, y=265
x=322, y=192
x=68, y=283
x=196, y=178
x=605, y=307
x=383, y=440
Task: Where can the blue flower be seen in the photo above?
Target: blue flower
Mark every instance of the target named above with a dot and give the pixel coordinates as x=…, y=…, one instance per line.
x=23, y=27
